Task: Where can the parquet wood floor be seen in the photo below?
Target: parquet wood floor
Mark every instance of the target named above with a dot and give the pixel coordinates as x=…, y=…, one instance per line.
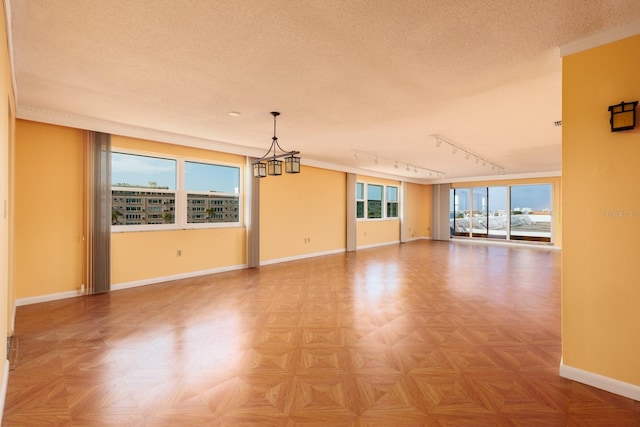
x=419, y=334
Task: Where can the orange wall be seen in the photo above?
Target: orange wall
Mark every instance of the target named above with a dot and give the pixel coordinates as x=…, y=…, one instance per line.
x=152, y=254
x=418, y=210
x=48, y=208
x=601, y=172
x=302, y=213
x=147, y=255
x=556, y=190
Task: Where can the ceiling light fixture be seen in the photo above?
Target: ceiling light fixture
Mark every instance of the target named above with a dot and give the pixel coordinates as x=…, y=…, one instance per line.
x=272, y=165
x=384, y=162
x=454, y=148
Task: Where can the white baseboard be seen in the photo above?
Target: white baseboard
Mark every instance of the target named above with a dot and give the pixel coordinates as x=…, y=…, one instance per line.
x=377, y=245
x=600, y=381
x=154, y=280
x=304, y=256
x=48, y=297
x=413, y=239
x=508, y=243
x=3, y=390
x=119, y=286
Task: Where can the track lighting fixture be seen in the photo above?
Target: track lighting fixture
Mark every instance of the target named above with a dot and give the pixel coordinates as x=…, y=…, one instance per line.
x=455, y=148
x=382, y=161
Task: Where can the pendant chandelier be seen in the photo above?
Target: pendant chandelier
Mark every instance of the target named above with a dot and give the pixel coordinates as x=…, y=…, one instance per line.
x=269, y=163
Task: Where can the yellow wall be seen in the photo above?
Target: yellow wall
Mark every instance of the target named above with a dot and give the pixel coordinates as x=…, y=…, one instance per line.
x=7, y=114
x=601, y=207
x=146, y=255
x=149, y=255
x=418, y=208
x=302, y=213
x=556, y=194
x=377, y=232
x=48, y=209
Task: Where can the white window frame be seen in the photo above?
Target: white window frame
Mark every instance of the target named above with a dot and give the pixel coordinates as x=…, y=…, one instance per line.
x=365, y=200
x=180, y=215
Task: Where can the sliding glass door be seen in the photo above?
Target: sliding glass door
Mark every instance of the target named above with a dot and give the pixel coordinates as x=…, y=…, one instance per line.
x=517, y=212
x=531, y=214
x=497, y=213
x=461, y=224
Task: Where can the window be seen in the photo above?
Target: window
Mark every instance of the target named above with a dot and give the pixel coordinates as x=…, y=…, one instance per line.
x=374, y=201
x=359, y=200
x=171, y=192
x=531, y=212
x=460, y=221
x=479, y=206
x=208, y=184
x=517, y=212
x=138, y=180
x=497, y=218
x=381, y=201
x=392, y=202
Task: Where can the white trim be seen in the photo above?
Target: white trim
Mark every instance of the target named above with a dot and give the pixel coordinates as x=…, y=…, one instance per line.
x=119, y=286
x=509, y=243
x=629, y=30
x=155, y=280
x=303, y=256
x=91, y=123
x=47, y=298
x=12, y=326
x=413, y=239
x=505, y=177
x=3, y=389
x=376, y=245
x=621, y=388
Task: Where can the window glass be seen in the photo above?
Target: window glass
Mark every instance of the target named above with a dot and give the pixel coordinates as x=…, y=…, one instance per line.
x=461, y=212
x=392, y=202
x=217, y=198
x=374, y=201
x=498, y=214
x=480, y=205
x=132, y=170
x=531, y=214
x=211, y=178
x=359, y=200
x=142, y=189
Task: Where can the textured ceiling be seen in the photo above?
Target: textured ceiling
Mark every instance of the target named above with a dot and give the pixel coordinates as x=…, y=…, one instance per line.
x=354, y=80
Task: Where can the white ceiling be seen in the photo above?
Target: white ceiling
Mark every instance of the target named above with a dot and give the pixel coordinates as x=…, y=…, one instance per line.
x=370, y=78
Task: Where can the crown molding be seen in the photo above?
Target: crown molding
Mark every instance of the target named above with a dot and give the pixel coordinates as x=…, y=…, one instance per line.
x=99, y=125
x=629, y=30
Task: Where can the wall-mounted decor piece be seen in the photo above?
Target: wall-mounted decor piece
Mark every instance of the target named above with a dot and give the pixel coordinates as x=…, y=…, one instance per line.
x=269, y=163
x=623, y=116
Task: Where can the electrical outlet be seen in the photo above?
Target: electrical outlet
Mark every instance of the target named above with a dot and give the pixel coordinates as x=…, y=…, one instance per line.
x=179, y=252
